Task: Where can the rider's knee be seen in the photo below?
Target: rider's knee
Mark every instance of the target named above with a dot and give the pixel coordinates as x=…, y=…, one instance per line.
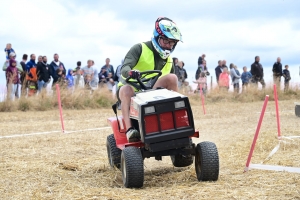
x=126, y=91
x=172, y=78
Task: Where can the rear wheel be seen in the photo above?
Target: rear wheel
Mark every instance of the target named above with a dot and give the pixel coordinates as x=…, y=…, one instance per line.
x=297, y=110
x=132, y=167
x=113, y=153
x=182, y=161
x=207, y=161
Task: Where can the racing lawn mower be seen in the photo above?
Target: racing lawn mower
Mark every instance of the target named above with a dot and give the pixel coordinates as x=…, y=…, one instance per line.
x=165, y=121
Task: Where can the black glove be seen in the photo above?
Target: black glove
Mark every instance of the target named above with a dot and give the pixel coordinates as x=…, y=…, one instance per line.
x=134, y=74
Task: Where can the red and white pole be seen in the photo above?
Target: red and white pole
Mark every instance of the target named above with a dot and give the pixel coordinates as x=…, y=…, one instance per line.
x=277, y=111
x=257, y=132
x=60, y=108
x=202, y=99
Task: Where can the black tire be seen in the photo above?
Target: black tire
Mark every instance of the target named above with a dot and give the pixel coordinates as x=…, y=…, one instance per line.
x=182, y=161
x=207, y=162
x=132, y=167
x=297, y=110
x=113, y=152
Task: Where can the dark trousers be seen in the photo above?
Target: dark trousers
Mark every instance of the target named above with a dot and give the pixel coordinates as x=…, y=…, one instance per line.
x=286, y=85
x=236, y=87
x=245, y=86
x=257, y=80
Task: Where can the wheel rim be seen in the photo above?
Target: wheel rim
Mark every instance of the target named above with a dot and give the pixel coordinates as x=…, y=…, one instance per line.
x=124, y=170
x=198, y=163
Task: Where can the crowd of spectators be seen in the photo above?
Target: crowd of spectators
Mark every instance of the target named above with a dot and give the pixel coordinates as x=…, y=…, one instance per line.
x=252, y=77
x=34, y=76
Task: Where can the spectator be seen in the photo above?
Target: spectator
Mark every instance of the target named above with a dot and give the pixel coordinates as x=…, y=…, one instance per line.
x=224, y=64
x=95, y=80
x=235, y=77
x=180, y=73
x=109, y=68
x=103, y=75
x=6, y=64
x=224, y=80
x=43, y=73
x=77, y=73
x=40, y=60
x=246, y=76
x=61, y=80
x=88, y=70
x=12, y=78
x=175, y=61
x=202, y=68
x=201, y=59
x=202, y=83
x=257, y=72
x=110, y=81
x=277, y=72
x=117, y=79
x=218, y=70
x=7, y=51
x=70, y=80
x=31, y=76
x=287, y=77
x=205, y=68
x=57, y=64
x=186, y=88
x=118, y=72
x=88, y=79
x=12, y=56
x=30, y=64
x=23, y=74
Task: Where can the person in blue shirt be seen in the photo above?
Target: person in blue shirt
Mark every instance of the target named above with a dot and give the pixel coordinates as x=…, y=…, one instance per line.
x=30, y=64
x=109, y=68
x=70, y=79
x=8, y=50
x=246, y=76
x=287, y=77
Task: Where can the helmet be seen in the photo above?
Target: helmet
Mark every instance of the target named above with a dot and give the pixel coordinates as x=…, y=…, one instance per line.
x=167, y=28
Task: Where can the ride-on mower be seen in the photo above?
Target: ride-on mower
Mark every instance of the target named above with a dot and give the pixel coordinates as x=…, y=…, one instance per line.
x=165, y=121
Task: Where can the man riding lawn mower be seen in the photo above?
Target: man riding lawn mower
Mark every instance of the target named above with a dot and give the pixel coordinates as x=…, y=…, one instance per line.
x=151, y=55
x=157, y=121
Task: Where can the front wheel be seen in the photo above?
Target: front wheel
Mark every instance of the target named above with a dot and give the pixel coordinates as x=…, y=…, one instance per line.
x=113, y=153
x=207, y=161
x=132, y=167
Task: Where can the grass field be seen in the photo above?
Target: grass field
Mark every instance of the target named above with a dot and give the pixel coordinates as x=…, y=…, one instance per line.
x=75, y=165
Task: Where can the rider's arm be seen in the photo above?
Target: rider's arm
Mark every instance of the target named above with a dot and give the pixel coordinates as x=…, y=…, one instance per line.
x=131, y=59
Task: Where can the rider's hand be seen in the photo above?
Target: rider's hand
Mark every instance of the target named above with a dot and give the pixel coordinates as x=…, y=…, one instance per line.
x=134, y=74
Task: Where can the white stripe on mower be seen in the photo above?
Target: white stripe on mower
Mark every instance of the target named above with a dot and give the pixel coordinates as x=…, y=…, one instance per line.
x=49, y=132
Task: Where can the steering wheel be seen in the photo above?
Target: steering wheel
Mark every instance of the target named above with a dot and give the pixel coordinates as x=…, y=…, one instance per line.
x=139, y=82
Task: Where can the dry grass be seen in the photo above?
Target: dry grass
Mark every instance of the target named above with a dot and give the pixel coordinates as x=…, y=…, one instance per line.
x=80, y=99
x=251, y=95
x=102, y=98
x=75, y=166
